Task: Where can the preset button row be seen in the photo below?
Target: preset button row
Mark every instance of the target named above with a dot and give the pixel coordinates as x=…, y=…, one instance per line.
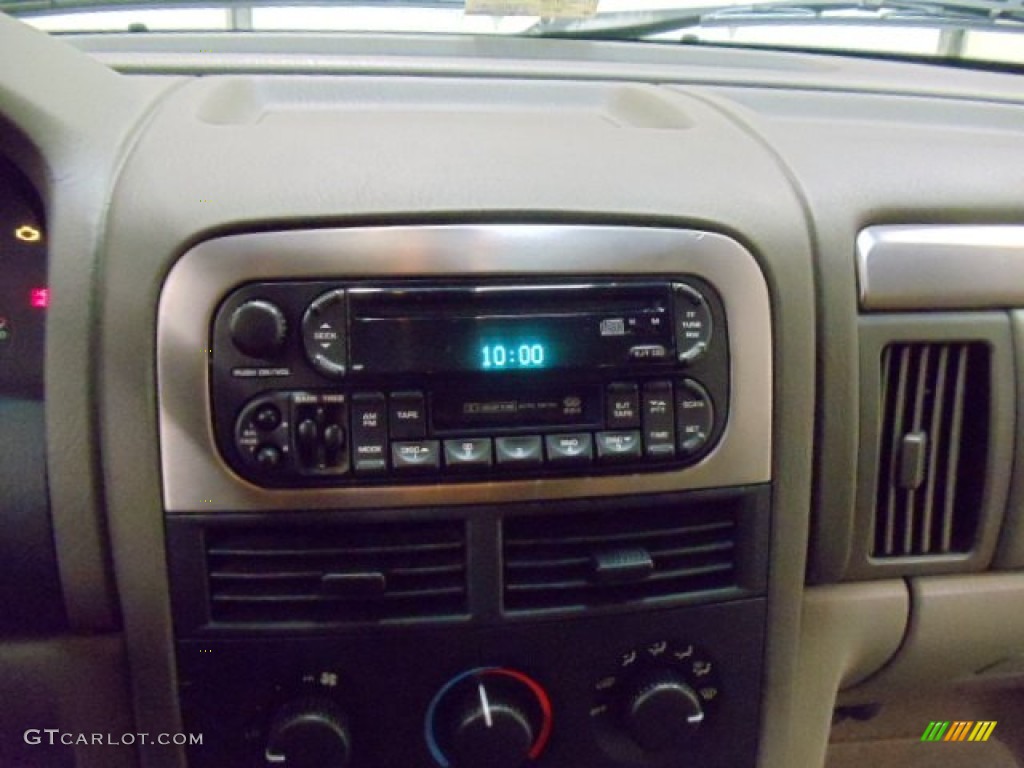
x=518, y=451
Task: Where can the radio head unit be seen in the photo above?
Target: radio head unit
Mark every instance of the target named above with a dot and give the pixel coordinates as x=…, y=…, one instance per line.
x=320, y=382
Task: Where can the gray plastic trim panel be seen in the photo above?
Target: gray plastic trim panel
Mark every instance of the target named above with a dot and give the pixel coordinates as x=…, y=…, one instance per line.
x=941, y=267
x=195, y=477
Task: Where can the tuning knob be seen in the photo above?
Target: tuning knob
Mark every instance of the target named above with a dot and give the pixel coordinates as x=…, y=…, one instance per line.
x=310, y=733
x=662, y=712
x=258, y=329
x=490, y=716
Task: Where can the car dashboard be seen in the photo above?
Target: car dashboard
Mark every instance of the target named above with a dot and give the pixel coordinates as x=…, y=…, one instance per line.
x=452, y=402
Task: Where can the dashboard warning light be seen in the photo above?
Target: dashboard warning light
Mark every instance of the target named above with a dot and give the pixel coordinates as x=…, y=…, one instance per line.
x=28, y=234
x=40, y=298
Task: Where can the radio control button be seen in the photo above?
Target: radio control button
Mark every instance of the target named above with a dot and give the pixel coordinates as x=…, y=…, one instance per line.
x=306, y=435
x=258, y=329
x=268, y=457
x=618, y=446
x=416, y=456
x=320, y=436
x=623, y=406
x=564, y=450
x=334, y=437
x=267, y=417
x=648, y=352
x=407, y=414
x=695, y=417
x=659, y=420
x=369, y=433
x=468, y=453
x=693, y=323
x=519, y=451
x=324, y=334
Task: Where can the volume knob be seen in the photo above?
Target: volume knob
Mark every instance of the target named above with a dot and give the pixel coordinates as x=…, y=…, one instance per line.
x=258, y=329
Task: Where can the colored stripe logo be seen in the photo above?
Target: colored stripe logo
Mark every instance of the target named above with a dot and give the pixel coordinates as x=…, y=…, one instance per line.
x=958, y=730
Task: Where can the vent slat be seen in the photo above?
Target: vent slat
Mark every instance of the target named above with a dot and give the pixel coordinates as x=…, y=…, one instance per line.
x=937, y=446
x=622, y=538
x=390, y=597
x=554, y=562
x=953, y=463
x=344, y=574
x=921, y=386
x=675, y=575
x=525, y=563
x=897, y=417
x=247, y=575
x=374, y=551
x=931, y=456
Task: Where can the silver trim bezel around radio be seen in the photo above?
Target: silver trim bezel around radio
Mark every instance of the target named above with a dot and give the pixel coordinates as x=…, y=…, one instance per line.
x=197, y=479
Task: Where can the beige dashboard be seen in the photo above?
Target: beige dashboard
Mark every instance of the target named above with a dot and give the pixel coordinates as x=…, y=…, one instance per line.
x=795, y=184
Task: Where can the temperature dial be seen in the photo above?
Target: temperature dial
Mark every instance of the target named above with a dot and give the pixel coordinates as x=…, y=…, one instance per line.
x=489, y=716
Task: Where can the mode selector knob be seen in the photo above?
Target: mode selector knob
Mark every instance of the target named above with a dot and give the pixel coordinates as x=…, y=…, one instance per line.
x=662, y=712
x=258, y=329
x=309, y=733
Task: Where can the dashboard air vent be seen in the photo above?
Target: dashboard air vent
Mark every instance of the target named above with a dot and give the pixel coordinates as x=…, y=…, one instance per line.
x=577, y=561
x=337, y=574
x=933, y=448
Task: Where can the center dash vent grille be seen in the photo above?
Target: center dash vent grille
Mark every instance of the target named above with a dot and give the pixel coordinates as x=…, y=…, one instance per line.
x=933, y=448
x=583, y=561
x=338, y=574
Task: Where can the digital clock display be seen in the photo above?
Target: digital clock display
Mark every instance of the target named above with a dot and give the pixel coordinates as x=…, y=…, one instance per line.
x=513, y=356
x=506, y=330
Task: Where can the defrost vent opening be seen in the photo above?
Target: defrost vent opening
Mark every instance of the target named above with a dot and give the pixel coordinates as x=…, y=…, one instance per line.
x=581, y=561
x=338, y=574
x=933, y=448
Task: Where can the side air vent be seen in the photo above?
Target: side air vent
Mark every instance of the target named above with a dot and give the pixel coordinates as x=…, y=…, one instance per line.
x=339, y=574
x=933, y=445
x=578, y=561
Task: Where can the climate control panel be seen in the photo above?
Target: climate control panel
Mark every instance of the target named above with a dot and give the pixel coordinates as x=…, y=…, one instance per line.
x=668, y=689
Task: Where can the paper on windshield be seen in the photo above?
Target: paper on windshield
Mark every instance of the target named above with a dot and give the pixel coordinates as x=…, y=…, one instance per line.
x=550, y=9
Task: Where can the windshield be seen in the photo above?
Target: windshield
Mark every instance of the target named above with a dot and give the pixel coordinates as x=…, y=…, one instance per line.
x=946, y=31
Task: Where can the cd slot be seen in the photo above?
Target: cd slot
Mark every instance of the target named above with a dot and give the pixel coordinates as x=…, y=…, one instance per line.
x=507, y=301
